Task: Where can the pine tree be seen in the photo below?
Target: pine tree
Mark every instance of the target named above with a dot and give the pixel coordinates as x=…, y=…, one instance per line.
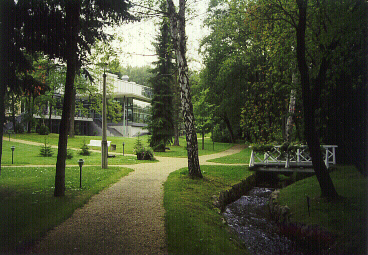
x=161, y=126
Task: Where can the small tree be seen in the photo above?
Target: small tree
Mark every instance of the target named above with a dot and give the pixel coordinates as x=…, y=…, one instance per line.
x=46, y=150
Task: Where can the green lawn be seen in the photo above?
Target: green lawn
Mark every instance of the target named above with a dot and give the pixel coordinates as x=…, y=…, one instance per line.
x=77, y=142
x=238, y=158
x=28, y=208
x=180, y=151
x=25, y=154
x=346, y=217
x=193, y=223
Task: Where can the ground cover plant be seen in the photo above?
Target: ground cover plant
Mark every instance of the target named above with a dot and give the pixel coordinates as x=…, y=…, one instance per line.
x=346, y=217
x=193, y=223
x=27, y=205
x=25, y=154
x=237, y=158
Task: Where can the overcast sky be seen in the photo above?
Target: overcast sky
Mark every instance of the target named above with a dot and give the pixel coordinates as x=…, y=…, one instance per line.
x=137, y=50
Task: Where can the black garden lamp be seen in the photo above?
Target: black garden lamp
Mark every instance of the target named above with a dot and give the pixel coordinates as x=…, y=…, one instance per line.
x=80, y=163
x=123, y=147
x=12, y=148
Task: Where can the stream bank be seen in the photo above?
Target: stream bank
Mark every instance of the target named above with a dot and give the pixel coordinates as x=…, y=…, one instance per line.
x=252, y=212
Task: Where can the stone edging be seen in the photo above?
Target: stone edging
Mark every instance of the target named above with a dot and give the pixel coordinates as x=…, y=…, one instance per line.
x=228, y=196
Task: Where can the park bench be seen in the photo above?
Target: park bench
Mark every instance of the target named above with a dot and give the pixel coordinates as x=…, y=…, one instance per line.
x=97, y=143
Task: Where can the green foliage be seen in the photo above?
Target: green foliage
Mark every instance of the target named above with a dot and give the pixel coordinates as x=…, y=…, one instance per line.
x=345, y=217
x=19, y=128
x=43, y=130
x=193, y=223
x=85, y=149
x=46, y=150
x=142, y=152
x=161, y=126
x=69, y=154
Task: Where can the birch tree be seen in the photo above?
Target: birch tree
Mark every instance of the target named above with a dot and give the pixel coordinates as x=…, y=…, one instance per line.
x=177, y=25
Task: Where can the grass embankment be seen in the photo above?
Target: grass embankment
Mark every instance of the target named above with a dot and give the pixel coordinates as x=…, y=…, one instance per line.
x=28, y=208
x=129, y=142
x=238, y=158
x=25, y=154
x=193, y=223
x=346, y=217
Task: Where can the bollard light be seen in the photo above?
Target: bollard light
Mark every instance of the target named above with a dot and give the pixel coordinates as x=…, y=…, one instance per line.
x=12, y=148
x=123, y=147
x=80, y=163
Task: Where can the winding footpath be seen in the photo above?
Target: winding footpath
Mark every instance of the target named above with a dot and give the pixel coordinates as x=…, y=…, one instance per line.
x=126, y=218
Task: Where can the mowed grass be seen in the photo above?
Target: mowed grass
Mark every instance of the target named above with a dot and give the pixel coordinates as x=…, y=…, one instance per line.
x=28, y=208
x=194, y=225
x=346, y=217
x=181, y=152
x=237, y=158
x=25, y=154
x=129, y=143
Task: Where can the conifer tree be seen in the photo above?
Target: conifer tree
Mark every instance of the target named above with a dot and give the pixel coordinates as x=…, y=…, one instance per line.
x=161, y=126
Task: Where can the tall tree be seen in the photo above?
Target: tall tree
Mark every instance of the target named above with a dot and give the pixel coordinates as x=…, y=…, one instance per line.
x=177, y=25
x=161, y=125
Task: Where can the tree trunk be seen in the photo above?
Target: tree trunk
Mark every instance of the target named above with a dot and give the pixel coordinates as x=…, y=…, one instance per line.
x=72, y=114
x=50, y=114
x=72, y=21
x=13, y=113
x=289, y=122
x=203, y=140
x=228, y=125
x=323, y=177
x=177, y=22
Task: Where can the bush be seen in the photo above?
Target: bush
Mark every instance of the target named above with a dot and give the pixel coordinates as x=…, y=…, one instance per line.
x=19, y=128
x=85, y=149
x=141, y=152
x=46, y=150
x=44, y=130
x=69, y=154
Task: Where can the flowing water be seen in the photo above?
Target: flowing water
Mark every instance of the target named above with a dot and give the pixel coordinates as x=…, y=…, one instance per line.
x=249, y=218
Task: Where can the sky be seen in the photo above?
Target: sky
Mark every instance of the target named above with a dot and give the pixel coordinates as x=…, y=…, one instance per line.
x=136, y=49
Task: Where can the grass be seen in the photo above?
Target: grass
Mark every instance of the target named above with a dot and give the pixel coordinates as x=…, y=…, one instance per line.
x=77, y=142
x=346, y=217
x=25, y=154
x=238, y=158
x=28, y=208
x=194, y=225
x=180, y=151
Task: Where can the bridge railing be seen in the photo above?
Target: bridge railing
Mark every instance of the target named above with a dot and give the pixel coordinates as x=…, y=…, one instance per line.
x=301, y=157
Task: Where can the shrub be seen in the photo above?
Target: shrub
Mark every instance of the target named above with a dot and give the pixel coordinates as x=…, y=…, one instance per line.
x=69, y=154
x=44, y=130
x=85, y=149
x=19, y=128
x=141, y=152
x=46, y=150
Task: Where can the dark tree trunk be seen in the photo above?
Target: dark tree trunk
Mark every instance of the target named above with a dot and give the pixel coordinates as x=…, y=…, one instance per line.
x=72, y=22
x=229, y=127
x=72, y=114
x=50, y=114
x=177, y=22
x=203, y=140
x=324, y=179
x=13, y=113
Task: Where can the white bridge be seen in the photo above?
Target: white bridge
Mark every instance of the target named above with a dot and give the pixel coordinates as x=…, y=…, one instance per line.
x=300, y=160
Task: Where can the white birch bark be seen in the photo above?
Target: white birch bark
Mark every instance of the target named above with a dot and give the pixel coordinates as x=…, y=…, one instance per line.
x=177, y=25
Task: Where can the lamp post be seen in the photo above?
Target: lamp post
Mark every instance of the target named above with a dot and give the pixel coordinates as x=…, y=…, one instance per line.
x=80, y=163
x=123, y=147
x=104, y=125
x=12, y=148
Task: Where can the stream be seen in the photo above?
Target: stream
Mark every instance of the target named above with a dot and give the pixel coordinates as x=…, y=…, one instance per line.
x=249, y=218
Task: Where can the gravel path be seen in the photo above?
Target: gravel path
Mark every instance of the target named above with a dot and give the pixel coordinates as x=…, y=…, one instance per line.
x=126, y=218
